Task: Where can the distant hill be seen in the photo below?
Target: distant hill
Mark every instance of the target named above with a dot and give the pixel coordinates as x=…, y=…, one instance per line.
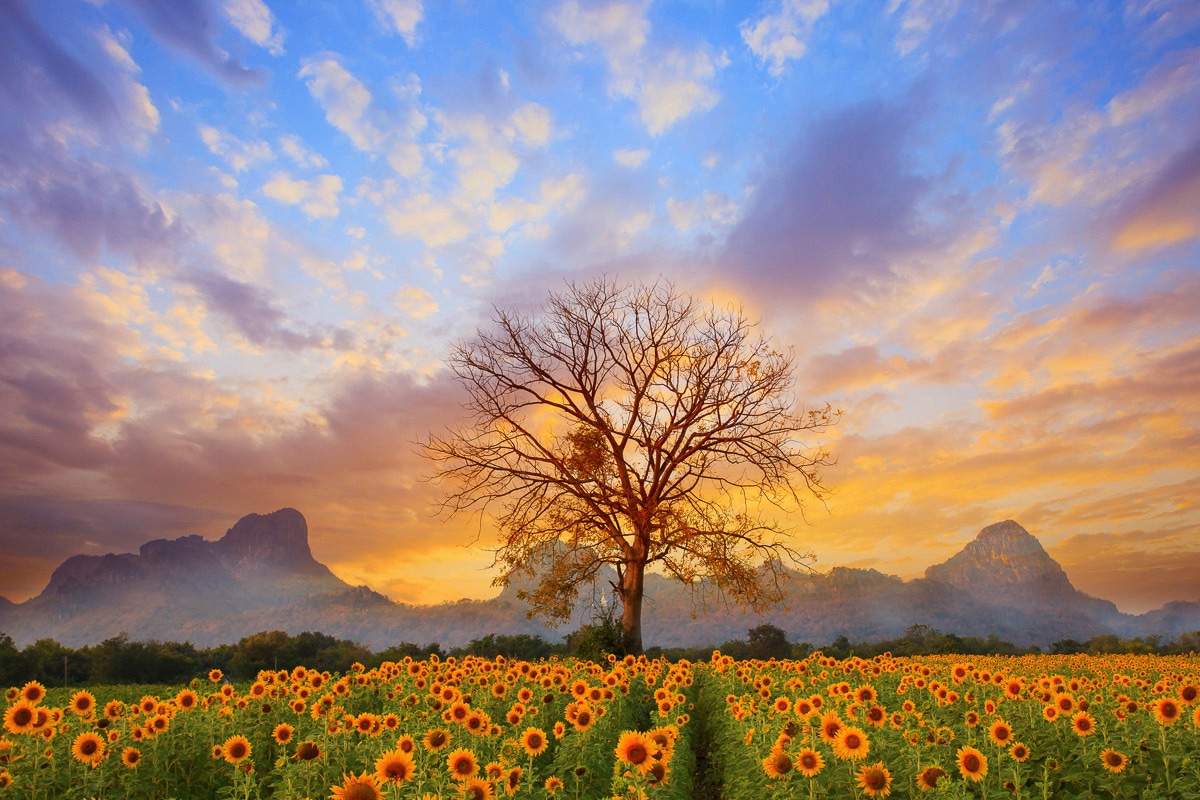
x=261, y=575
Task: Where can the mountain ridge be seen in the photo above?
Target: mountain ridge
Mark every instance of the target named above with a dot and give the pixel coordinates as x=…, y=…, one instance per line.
x=261, y=575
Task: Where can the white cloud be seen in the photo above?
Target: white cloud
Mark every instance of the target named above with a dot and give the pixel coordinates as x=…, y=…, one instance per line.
x=349, y=108
x=239, y=155
x=253, y=19
x=562, y=194
x=434, y=221
x=918, y=19
x=712, y=208
x=139, y=110
x=776, y=38
x=402, y=16
x=316, y=198
x=296, y=150
x=665, y=84
x=631, y=158
x=415, y=301
x=676, y=86
x=533, y=124
x=345, y=100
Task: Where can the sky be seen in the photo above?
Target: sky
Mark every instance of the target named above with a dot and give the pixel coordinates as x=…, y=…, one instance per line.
x=238, y=239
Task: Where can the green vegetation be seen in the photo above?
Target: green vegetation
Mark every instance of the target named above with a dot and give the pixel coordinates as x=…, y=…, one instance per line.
x=121, y=661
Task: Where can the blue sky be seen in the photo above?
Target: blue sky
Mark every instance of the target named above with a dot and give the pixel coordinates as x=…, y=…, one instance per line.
x=238, y=238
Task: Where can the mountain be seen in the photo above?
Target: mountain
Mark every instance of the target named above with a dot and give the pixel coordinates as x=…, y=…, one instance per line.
x=261, y=575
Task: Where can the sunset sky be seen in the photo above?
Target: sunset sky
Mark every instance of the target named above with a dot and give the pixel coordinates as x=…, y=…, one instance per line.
x=237, y=239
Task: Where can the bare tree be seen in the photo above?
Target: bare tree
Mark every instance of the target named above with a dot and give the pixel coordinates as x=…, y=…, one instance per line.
x=630, y=426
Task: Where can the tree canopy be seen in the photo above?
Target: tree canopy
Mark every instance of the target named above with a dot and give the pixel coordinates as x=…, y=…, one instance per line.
x=628, y=426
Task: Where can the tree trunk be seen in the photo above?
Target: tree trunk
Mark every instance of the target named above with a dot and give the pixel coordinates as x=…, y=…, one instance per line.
x=632, y=586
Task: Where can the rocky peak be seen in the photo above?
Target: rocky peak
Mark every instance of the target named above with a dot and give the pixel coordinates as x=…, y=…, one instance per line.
x=1003, y=557
x=278, y=539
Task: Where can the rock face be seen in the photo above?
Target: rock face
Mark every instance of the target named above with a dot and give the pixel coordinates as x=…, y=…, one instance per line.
x=262, y=576
x=1002, y=557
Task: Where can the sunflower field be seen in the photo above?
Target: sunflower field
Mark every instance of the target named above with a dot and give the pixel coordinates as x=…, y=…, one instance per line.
x=1033, y=727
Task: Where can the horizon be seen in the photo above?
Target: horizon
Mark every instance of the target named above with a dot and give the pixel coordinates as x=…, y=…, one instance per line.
x=238, y=238
x=657, y=572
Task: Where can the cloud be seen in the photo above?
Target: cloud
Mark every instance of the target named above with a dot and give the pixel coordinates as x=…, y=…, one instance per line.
x=631, y=158
x=1167, y=211
x=254, y=20
x=777, y=38
x=842, y=207
x=85, y=206
x=401, y=16
x=317, y=197
x=918, y=20
x=298, y=152
x=666, y=83
x=189, y=26
x=533, y=125
x=239, y=155
x=415, y=301
x=712, y=208
x=350, y=107
x=254, y=313
x=1114, y=564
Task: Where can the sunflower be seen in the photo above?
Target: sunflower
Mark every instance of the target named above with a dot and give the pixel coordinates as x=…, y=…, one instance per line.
x=1083, y=724
x=5, y=779
x=88, y=748
x=777, y=764
x=406, y=744
x=1189, y=693
x=1019, y=752
x=1000, y=733
x=831, y=723
x=20, y=717
x=1050, y=713
x=83, y=703
x=215, y=675
x=308, y=751
x=584, y=719
x=114, y=709
x=972, y=764
x=512, y=781
x=283, y=733
x=533, y=742
x=809, y=762
x=462, y=764
x=33, y=693
x=553, y=784
x=927, y=779
x=875, y=780
x=236, y=749
x=187, y=699
x=1166, y=711
x=435, y=739
x=395, y=767
x=362, y=787
x=851, y=744
x=130, y=757
x=635, y=749
x=477, y=789
x=1113, y=761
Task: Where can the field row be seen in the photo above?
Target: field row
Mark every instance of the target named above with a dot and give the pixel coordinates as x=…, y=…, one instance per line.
x=1038, y=726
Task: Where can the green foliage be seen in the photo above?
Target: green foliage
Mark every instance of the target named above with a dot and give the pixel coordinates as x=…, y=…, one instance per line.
x=598, y=639
x=768, y=641
x=522, y=646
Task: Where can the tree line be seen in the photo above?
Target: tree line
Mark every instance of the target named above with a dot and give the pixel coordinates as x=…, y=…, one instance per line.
x=119, y=660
